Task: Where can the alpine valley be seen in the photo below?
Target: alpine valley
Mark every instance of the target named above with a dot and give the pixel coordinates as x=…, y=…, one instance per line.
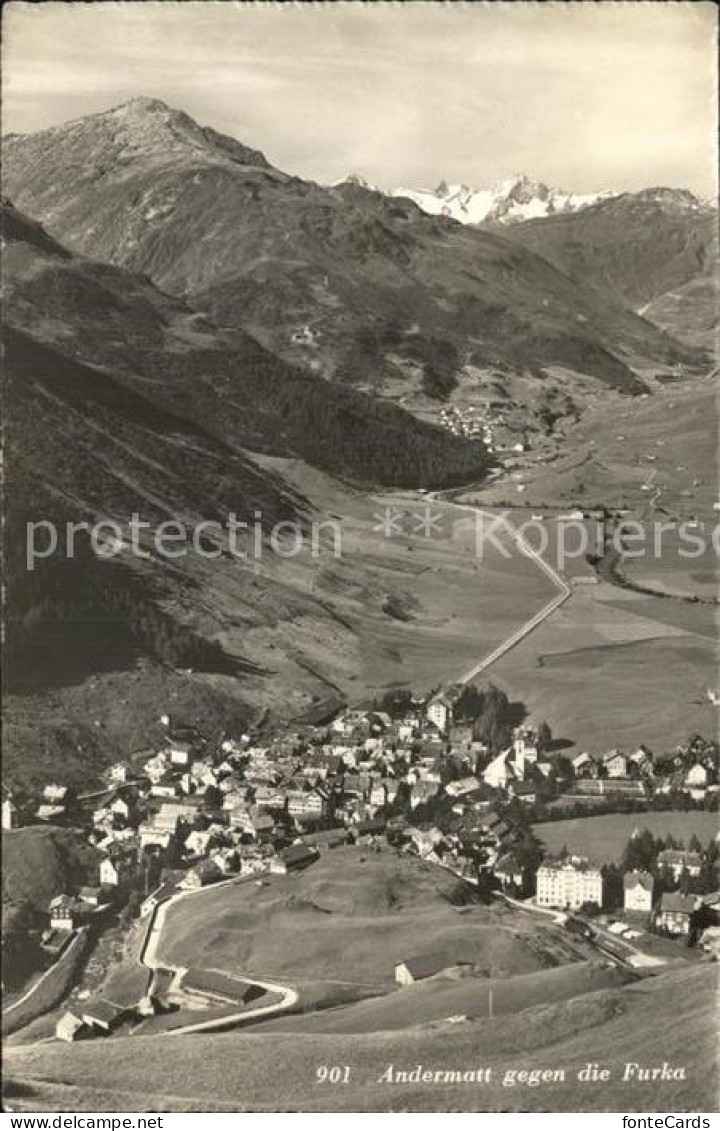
x=341, y=740
x=191, y=327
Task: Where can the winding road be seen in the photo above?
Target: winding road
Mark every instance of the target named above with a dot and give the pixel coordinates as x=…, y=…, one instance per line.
x=563, y=589
x=149, y=958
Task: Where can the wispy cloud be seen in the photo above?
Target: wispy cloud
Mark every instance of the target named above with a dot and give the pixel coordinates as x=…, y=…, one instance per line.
x=583, y=95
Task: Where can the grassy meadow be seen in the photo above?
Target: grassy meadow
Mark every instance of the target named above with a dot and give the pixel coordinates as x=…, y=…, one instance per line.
x=670, y=1018
x=345, y=923
x=602, y=838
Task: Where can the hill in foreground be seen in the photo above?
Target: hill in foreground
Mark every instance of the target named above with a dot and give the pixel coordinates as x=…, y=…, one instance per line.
x=457, y=992
x=669, y=1019
x=338, y=929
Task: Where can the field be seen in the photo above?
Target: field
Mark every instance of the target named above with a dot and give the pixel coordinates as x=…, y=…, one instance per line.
x=617, y=449
x=454, y=606
x=610, y=668
x=671, y=570
x=603, y=838
x=670, y=1019
x=452, y=994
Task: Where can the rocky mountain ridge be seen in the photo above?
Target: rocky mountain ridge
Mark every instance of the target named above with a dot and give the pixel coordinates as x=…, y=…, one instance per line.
x=350, y=285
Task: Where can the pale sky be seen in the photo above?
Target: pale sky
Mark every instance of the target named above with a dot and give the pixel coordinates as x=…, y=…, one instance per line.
x=584, y=96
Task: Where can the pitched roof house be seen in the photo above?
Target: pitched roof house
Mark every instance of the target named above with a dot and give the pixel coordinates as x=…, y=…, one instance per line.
x=103, y=1015
x=675, y=912
x=615, y=764
x=639, y=888
x=677, y=860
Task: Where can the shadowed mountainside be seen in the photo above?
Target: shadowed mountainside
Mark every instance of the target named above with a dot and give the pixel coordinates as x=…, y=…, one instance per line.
x=119, y=399
x=635, y=247
x=227, y=383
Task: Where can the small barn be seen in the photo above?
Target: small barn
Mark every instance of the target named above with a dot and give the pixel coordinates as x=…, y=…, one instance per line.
x=71, y=1028
x=425, y=966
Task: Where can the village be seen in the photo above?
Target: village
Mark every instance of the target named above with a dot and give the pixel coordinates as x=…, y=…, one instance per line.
x=487, y=423
x=417, y=779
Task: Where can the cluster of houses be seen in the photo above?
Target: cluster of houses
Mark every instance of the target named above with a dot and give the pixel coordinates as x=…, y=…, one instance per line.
x=693, y=772
x=672, y=912
x=99, y=1018
x=572, y=883
x=463, y=422
x=487, y=424
x=193, y=812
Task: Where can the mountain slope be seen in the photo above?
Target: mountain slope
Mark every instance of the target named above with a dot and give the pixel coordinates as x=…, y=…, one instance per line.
x=690, y=311
x=118, y=400
x=346, y=282
x=634, y=247
x=655, y=1022
x=39, y=862
x=42, y=861
x=239, y=392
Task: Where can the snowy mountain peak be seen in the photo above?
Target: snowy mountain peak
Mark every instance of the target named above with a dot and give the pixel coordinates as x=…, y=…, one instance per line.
x=510, y=201
x=524, y=189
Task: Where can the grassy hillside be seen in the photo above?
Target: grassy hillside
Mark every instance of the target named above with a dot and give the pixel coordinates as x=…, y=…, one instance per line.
x=604, y=837
x=78, y=727
x=670, y=1018
x=635, y=246
x=39, y=862
x=452, y=994
x=688, y=311
x=348, y=920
